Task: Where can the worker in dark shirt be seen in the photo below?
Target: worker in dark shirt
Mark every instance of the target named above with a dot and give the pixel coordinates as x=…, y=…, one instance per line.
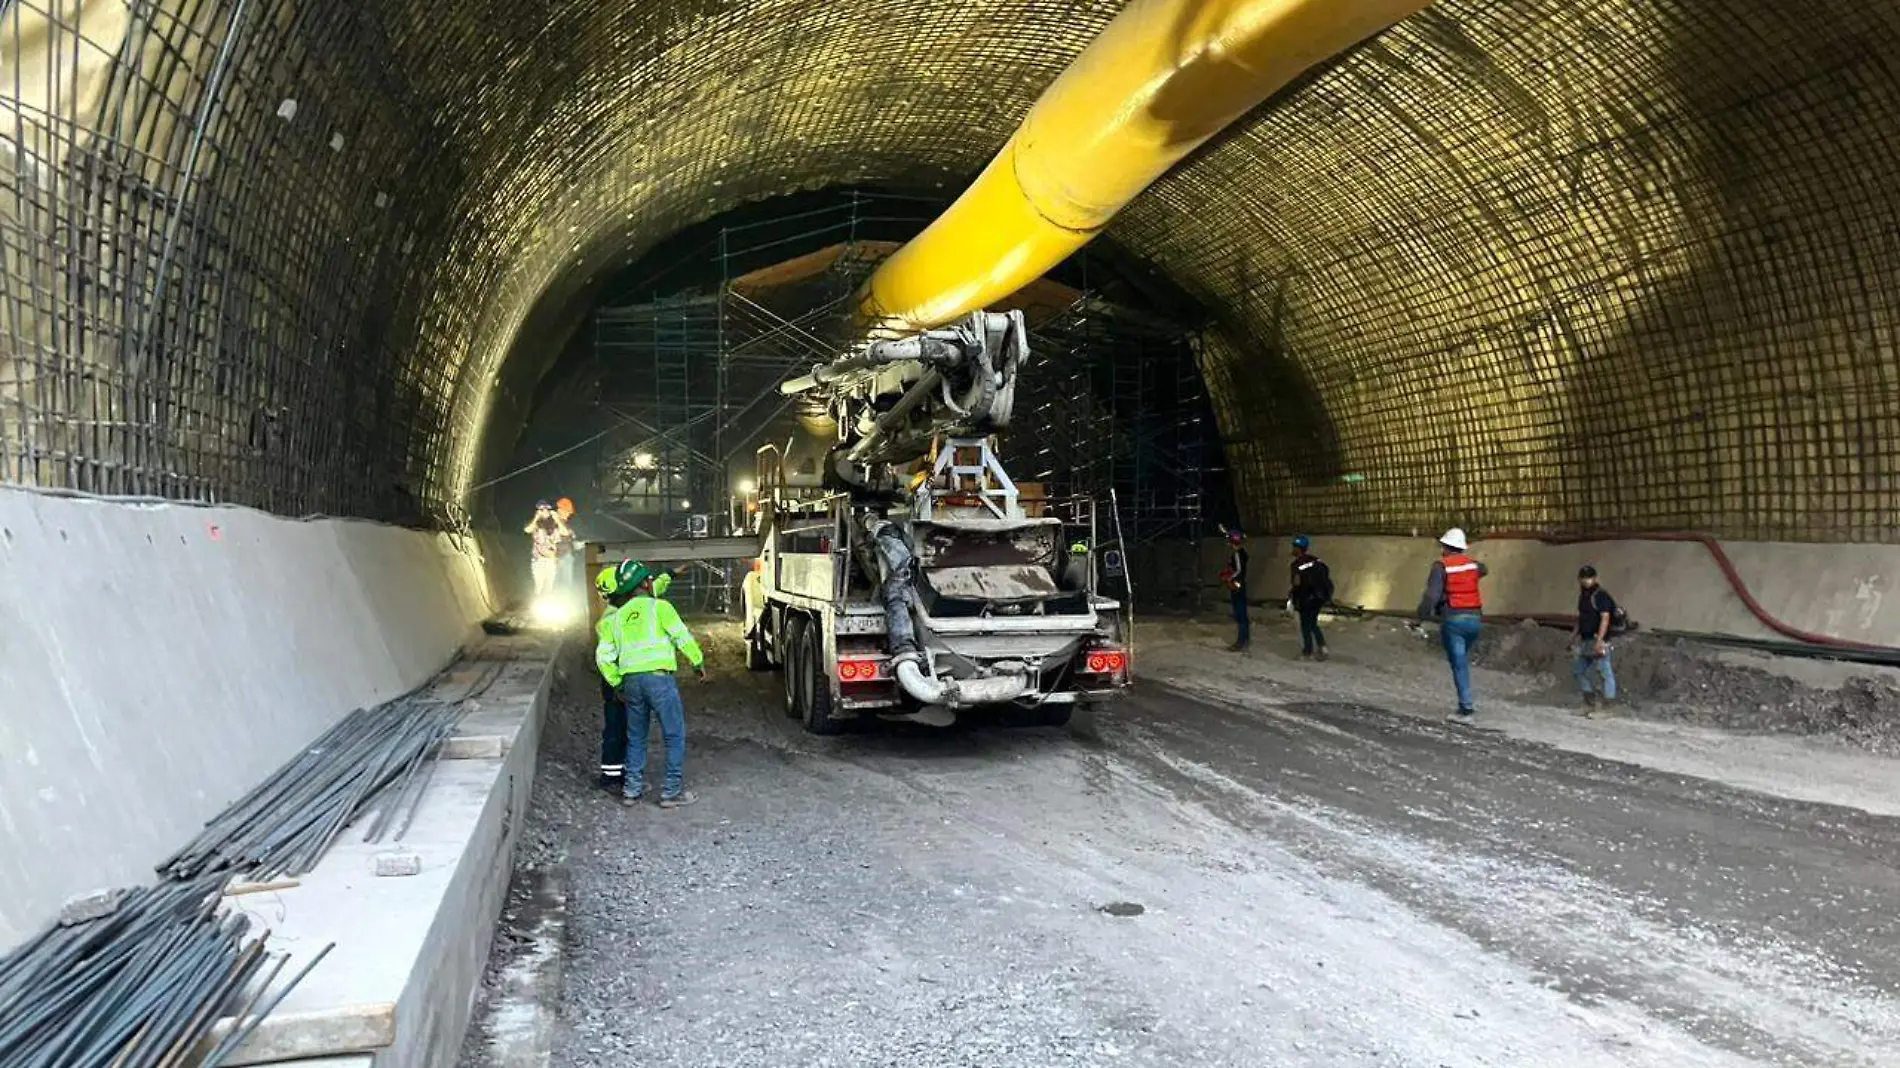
x=613, y=734
x=1452, y=598
x=1234, y=578
x=1310, y=588
x=1596, y=610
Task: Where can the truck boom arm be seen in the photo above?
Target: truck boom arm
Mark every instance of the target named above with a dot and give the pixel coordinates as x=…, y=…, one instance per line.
x=895, y=396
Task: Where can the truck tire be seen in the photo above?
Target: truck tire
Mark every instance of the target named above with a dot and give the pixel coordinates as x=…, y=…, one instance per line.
x=1055, y=715
x=791, y=651
x=757, y=657
x=815, y=686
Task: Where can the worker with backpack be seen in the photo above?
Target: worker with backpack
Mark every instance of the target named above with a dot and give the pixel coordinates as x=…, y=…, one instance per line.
x=1599, y=619
x=1310, y=591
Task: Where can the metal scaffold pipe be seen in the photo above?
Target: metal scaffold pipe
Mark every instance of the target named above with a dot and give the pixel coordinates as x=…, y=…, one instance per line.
x=1160, y=80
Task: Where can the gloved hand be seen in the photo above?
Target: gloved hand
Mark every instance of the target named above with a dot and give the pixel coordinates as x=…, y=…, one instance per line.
x=701, y=672
x=1289, y=605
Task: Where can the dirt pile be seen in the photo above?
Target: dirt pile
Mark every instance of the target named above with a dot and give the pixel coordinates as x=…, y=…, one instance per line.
x=1667, y=678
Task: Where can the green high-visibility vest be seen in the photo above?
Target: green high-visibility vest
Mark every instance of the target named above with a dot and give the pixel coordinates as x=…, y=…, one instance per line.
x=642, y=637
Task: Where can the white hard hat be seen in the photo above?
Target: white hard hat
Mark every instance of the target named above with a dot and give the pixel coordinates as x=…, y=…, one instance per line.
x=1455, y=539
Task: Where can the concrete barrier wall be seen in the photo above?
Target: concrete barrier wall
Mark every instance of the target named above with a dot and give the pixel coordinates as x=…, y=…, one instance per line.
x=156, y=661
x=1845, y=591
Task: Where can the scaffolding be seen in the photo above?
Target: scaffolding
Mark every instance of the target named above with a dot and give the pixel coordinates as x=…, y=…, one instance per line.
x=1114, y=402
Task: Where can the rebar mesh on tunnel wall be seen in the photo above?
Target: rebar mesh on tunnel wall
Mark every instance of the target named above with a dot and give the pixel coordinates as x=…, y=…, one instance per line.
x=1571, y=265
x=201, y=290
x=1601, y=266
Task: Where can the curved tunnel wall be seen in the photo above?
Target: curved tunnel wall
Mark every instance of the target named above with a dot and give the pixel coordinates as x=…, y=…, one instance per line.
x=1616, y=265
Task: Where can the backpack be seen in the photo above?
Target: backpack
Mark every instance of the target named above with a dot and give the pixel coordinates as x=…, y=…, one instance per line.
x=1322, y=580
x=1315, y=584
x=1619, y=619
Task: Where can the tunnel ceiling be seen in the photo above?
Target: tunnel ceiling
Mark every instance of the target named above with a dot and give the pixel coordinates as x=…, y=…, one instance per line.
x=1627, y=263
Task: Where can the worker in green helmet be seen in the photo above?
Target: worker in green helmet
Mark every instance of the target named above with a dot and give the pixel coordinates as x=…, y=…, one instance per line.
x=639, y=655
x=613, y=730
x=1075, y=567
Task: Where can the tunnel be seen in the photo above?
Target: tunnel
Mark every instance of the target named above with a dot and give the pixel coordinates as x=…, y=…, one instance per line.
x=303, y=307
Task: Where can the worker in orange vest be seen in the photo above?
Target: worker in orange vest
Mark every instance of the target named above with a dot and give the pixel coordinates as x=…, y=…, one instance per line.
x=1452, y=597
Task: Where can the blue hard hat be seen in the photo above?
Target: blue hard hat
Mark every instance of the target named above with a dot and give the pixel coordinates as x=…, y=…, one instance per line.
x=1302, y=542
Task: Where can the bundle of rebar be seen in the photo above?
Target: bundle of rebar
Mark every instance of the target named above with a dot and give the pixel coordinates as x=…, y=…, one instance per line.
x=145, y=984
x=369, y=761
x=141, y=987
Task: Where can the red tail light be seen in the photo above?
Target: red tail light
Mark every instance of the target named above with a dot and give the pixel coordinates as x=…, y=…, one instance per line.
x=857, y=670
x=1106, y=662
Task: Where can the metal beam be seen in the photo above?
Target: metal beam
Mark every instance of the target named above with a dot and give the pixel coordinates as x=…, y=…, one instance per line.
x=673, y=550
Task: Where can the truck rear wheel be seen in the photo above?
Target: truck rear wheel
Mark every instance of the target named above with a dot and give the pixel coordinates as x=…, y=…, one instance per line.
x=815, y=686
x=791, y=650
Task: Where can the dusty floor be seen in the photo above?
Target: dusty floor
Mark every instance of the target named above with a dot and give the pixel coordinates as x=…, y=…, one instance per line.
x=1321, y=872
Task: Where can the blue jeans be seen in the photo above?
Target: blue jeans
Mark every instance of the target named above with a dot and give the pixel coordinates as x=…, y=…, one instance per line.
x=1242, y=621
x=1580, y=667
x=648, y=695
x=1459, y=632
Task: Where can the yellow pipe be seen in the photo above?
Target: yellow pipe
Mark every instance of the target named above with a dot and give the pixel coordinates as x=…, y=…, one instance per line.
x=1162, y=78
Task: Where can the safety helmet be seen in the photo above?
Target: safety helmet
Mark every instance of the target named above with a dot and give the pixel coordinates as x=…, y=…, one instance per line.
x=608, y=581
x=660, y=583
x=543, y=506
x=1455, y=539
x=1235, y=536
x=630, y=574
x=1302, y=542
x=1587, y=571
x=1080, y=548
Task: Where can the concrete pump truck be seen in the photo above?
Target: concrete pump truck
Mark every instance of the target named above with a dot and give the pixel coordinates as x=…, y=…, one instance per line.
x=902, y=576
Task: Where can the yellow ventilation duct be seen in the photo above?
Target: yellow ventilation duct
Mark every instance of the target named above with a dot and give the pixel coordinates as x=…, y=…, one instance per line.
x=1162, y=78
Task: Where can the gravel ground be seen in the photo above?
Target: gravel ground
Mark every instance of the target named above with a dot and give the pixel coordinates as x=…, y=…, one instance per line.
x=1672, y=680
x=1248, y=862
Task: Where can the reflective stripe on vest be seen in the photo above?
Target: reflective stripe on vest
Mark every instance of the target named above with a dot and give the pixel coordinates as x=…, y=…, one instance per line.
x=1461, y=584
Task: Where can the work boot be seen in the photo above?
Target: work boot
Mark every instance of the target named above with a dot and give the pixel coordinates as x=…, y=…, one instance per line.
x=1463, y=715
x=1306, y=654
x=631, y=800
x=611, y=783
x=1321, y=654
x=1590, y=703
x=679, y=800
